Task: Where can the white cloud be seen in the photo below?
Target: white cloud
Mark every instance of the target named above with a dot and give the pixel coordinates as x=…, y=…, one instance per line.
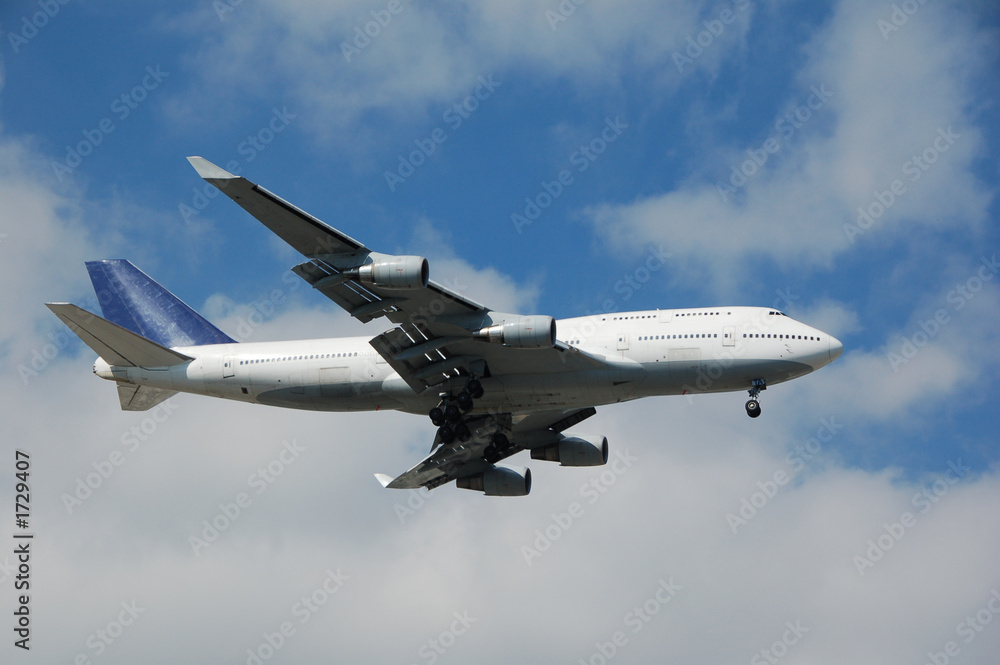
x=944, y=351
x=426, y=57
x=886, y=102
x=662, y=518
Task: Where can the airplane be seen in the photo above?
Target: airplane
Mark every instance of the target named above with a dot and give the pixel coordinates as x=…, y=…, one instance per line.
x=492, y=383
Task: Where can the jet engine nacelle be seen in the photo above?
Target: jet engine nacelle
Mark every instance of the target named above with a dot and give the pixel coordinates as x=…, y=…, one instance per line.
x=394, y=272
x=528, y=332
x=499, y=481
x=575, y=451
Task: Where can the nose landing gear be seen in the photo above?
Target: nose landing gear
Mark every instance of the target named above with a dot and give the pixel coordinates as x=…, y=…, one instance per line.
x=752, y=405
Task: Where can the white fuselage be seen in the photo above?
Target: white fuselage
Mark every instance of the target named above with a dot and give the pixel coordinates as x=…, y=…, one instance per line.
x=658, y=352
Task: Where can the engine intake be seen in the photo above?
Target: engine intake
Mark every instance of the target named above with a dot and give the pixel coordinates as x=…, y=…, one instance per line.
x=574, y=451
x=528, y=332
x=499, y=481
x=393, y=272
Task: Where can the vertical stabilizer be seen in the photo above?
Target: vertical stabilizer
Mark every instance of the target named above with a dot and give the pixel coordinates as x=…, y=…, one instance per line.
x=134, y=301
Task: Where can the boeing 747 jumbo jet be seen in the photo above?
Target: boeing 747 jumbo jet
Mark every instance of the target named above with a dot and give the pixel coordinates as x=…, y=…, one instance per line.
x=493, y=384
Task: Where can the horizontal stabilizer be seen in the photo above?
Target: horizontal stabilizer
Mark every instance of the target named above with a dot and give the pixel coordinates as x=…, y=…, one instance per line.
x=116, y=345
x=141, y=398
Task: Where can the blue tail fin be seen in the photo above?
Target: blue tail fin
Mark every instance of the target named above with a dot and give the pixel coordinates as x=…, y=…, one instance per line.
x=130, y=298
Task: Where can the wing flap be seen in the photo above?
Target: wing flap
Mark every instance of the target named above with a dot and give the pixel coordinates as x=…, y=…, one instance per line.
x=360, y=302
x=418, y=357
x=457, y=460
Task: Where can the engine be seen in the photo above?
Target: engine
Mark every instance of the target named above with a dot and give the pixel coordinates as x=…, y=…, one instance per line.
x=574, y=451
x=499, y=481
x=528, y=332
x=393, y=272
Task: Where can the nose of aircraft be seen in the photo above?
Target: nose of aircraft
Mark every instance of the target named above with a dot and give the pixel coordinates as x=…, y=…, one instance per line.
x=836, y=348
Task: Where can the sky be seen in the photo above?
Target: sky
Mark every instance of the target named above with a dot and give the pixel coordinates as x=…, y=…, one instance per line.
x=835, y=160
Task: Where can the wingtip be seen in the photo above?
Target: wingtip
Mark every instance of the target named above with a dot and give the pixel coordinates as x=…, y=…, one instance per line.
x=383, y=479
x=208, y=170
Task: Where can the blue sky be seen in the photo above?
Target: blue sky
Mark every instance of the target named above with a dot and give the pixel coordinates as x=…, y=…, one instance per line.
x=745, y=141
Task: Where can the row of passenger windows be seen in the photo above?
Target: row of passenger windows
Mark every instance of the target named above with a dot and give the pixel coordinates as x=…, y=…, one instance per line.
x=647, y=338
x=763, y=336
x=653, y=316
x=311, y=357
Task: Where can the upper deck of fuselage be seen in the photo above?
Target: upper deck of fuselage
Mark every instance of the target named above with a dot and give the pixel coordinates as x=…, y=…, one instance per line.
x=747, y=332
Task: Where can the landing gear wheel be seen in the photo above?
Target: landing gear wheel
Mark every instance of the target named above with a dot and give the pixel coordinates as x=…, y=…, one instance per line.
x=452, y=413
x=474, y=388
x=464, y=401
x=753, y=406
x=490, y=454
x=500, y=441
x=446, y=433
x=462, y=432
x=437, y=416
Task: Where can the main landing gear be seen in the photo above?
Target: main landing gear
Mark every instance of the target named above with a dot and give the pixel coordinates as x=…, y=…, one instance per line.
x=753, y=406
x=498, y=446
x=447, y=415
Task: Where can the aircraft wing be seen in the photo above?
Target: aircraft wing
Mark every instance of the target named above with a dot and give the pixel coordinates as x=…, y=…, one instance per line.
x=332, y=254
x=440, y=334
x=458, y=460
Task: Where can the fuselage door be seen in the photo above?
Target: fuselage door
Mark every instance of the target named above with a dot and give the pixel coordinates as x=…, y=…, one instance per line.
x=729, y=336
x=228, y=367
x=623, y=341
